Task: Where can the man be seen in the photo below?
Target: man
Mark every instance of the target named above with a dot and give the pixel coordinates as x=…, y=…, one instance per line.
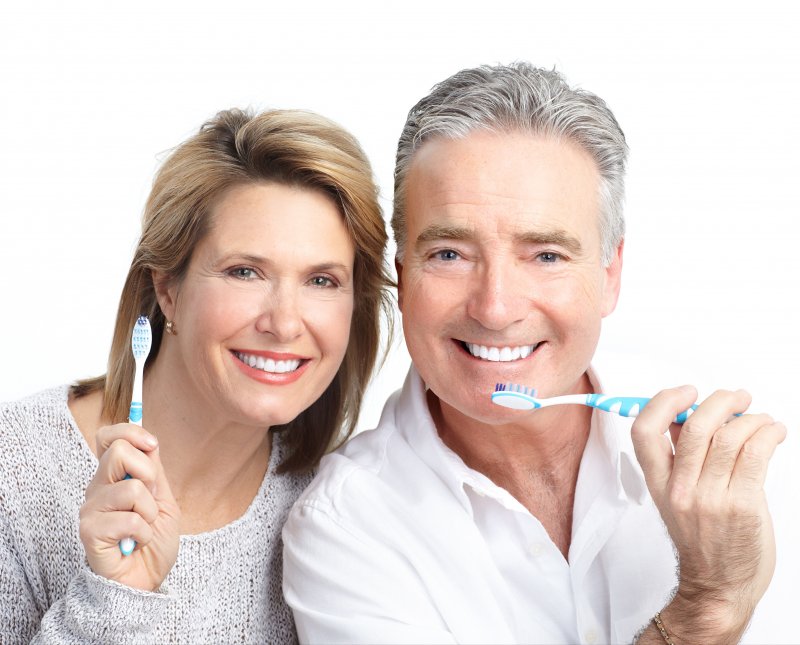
x=457, y=520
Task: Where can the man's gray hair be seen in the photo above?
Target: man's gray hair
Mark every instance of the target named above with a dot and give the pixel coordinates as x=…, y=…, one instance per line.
x=519, y=98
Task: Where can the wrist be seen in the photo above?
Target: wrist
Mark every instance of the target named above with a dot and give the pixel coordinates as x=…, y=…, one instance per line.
x=703, y=619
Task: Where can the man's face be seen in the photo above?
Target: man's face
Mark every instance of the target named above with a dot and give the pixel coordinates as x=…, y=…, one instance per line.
x=502, y=279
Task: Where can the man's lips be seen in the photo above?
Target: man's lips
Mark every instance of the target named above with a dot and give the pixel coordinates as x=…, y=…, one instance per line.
x=499, y=353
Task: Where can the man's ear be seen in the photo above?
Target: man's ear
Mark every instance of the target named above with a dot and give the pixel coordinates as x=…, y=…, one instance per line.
x=398, y=267
x=166, y=293
x=612, y=281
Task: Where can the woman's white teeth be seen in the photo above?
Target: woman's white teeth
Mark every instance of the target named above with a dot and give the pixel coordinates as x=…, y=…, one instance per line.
x=267, y=364
x=500, y=354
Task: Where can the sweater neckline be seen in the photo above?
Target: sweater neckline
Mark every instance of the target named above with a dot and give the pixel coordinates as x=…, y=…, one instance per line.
x=275, y=458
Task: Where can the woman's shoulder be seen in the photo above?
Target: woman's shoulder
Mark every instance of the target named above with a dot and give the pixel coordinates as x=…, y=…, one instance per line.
x=41, y=421
x=45, y=405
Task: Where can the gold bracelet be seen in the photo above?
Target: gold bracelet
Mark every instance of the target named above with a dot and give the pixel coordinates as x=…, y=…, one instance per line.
x=662, y=629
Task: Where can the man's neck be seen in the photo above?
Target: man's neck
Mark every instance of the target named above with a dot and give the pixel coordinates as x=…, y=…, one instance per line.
x=537, y=460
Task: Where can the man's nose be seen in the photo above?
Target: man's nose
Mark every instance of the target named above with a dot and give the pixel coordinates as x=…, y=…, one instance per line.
x=281, y=314
x=499, y=297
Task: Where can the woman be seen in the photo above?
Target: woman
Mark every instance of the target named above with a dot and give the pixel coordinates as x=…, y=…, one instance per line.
x=261, y=269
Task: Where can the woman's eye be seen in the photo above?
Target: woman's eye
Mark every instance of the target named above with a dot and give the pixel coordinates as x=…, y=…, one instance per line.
x=446, y=255
x=243, y=273
x=322, y=281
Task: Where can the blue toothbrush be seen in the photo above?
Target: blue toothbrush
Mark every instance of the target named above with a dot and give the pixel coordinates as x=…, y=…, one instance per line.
x=141, y=341
x=520, y=397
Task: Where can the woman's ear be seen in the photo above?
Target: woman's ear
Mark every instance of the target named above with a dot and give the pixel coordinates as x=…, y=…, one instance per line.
x=166, y=293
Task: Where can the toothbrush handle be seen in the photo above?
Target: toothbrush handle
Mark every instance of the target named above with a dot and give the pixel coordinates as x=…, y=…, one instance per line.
x=127, y=545
x=628, y=406
x=135, y=413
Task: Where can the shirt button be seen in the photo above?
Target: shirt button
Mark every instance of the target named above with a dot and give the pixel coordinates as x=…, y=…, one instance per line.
x=591, y=636
x=535, y=549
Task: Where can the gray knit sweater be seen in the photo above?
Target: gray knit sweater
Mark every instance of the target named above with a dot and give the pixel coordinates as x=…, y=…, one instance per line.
x=224, y=588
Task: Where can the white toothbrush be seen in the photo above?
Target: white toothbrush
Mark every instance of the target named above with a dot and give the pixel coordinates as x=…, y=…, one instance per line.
x=519, y=397
x=141, y=341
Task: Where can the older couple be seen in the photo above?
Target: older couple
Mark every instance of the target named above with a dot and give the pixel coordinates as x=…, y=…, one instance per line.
x=455, y=520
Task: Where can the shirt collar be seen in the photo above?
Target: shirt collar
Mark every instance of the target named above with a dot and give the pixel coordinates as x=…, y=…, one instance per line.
x=611, y=434
x=608, y=450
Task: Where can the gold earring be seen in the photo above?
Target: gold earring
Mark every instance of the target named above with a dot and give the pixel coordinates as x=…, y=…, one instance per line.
x=171, y=328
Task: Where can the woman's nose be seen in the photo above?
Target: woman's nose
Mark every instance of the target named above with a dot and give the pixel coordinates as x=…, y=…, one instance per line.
x=281, y=315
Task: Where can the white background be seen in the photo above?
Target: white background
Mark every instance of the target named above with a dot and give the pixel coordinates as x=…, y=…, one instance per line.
x=93, y=95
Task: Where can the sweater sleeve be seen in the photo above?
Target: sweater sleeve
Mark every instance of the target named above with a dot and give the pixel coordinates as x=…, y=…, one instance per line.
x=93, y=610
x=98, y=610
x=19, y=611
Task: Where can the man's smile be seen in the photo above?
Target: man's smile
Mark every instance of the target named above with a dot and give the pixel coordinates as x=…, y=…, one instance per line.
x=502, y=354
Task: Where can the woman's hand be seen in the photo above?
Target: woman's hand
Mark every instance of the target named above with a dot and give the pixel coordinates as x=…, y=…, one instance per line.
x=141, y=507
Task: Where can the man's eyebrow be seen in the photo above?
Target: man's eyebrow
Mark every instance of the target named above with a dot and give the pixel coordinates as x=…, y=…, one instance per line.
x=436, y=232
x=559, y=238
x=443, y=232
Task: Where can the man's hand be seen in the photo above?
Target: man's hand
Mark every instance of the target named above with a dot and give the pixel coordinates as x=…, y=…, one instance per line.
x=710, y=493
x=141, y=507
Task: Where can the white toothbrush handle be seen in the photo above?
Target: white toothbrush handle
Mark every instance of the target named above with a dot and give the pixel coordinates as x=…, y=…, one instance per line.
x=561, y=400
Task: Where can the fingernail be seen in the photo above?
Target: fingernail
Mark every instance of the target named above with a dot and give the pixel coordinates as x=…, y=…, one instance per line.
x=150, y=440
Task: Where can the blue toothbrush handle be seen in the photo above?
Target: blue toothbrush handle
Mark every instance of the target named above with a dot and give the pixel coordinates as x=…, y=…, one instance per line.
x=628, y=406
x=135, y=413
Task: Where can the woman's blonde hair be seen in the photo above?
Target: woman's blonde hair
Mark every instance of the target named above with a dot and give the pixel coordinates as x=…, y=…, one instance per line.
x=291, y=147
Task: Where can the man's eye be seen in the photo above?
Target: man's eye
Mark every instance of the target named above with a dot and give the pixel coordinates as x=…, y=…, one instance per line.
x=447, y=255
x=549, y=256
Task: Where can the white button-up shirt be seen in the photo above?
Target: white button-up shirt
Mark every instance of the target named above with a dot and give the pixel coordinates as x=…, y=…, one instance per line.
x=398, y=541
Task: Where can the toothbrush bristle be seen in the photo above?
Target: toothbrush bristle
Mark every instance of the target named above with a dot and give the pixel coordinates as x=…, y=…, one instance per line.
x=141, y=338
x=514, y=387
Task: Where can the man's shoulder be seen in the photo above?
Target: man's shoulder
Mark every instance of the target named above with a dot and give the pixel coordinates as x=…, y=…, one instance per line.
x=368, y=459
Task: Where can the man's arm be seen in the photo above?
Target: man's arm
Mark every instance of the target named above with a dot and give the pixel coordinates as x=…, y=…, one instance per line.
x=710, y=493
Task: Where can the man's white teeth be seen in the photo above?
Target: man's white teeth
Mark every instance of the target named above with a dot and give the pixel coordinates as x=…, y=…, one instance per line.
x=267, y=364
x=500, y=354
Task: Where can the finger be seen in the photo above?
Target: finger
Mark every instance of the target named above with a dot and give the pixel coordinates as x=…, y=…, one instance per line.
x=724, y=449
x=695, y=436
x=750, y=470
x=133, y=434
x=653, y=448
x=105, y=530
x=161, y=491
x=123, y=459
x=128, y=495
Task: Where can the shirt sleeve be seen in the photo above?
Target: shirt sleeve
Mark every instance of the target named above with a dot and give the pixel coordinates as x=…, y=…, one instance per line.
x=345, y=587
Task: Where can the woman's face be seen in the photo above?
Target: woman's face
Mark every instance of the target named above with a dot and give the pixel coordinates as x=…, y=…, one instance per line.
x=263, y=314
